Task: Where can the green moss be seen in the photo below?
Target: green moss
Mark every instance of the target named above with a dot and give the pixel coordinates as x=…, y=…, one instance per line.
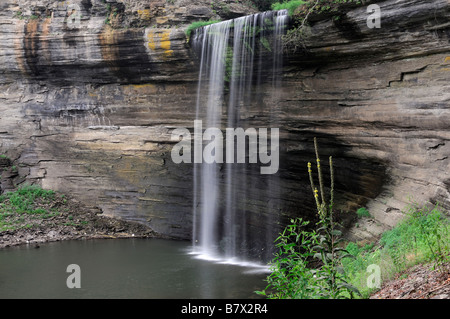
x=363, y=212
x=291, y=6
x=198, y=24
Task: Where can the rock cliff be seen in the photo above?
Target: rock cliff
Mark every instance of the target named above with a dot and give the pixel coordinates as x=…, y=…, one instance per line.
x=91, y=90
x=384, y=94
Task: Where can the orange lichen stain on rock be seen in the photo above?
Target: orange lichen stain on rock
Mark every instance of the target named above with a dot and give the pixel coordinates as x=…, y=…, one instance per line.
x=160, y=40
x=165, y=44
x=145, y=14
x=162, y=20
x=92, y=93
x=109, y=50
x=151, y=40
x=141, y=86
x=19, y=47
x=139, y=89
x=446, y=61
x=45, y=35
x=31, y=43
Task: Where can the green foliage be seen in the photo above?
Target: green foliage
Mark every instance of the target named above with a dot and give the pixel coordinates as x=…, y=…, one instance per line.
x=262, y=5
x=295, y=38
x=293, y=272
x=24, y=197
x=291, y=276
x=23, y=201
x=422, y=237
x=291, y=5
x=198, y=24
x=312, y=263
x=363, y=212
x=18, y=15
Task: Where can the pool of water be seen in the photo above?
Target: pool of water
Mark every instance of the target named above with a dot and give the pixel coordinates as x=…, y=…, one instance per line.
x=124, y=268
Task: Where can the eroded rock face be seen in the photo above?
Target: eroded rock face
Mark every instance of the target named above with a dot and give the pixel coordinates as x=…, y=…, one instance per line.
x=89, y=110
x=385, y=94
x=87, y=105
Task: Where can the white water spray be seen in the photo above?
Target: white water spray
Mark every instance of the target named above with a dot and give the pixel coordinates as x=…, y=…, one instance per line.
x=231, y=58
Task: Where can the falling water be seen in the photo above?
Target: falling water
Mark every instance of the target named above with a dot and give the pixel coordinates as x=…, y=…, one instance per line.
x=232, y=54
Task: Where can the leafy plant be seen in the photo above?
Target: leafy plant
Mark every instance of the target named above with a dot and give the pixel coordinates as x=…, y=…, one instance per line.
x=19, y=15
x=293, y=272
x=363, y=212
x=291, y=275
x=328, y=250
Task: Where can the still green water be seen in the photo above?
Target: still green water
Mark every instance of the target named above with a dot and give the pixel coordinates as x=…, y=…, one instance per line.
x=125, y=268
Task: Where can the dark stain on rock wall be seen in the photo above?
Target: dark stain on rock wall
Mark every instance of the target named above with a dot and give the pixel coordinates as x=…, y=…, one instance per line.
x=124, y=53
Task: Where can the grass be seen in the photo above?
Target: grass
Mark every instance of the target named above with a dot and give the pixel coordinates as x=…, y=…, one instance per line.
x=422, y=237
x=26, y=204
x=363, y=212
x=198, y=24
x=30, y=213
x=318, y=264
x=291, y=6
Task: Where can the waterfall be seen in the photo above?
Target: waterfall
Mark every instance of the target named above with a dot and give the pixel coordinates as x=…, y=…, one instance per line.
x=233, y=58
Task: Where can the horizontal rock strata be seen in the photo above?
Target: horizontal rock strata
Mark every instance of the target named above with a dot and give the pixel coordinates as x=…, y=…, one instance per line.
x=89, y=108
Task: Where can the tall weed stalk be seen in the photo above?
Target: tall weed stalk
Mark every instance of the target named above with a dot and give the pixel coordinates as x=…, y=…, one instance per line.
x=309, y=262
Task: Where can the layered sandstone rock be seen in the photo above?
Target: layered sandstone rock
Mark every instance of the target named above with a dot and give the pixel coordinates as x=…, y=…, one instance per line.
x=87, y=105
x=89, y=109
x=384, y=93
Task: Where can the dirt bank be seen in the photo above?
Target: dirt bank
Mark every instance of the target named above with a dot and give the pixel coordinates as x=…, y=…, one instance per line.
x=70, y=220
x=418, y=282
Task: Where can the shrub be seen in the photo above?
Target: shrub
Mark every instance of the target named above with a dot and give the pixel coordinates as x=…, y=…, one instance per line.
x=294, y=274
x=363, y=212
x=291, y=275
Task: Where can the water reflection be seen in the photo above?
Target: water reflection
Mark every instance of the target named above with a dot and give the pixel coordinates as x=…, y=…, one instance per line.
x=132, y=268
